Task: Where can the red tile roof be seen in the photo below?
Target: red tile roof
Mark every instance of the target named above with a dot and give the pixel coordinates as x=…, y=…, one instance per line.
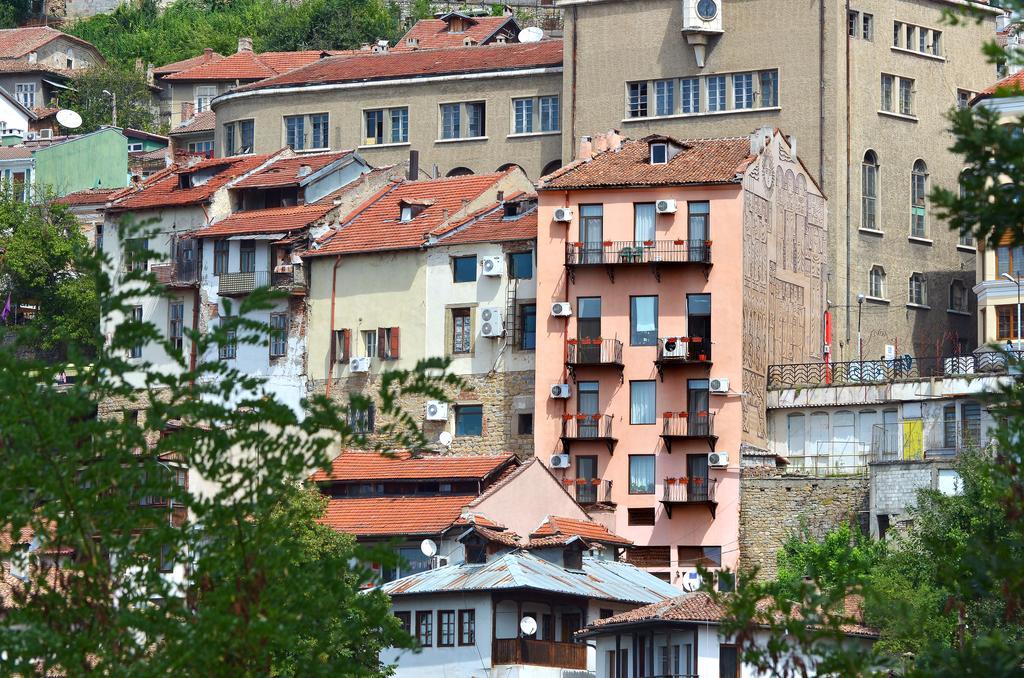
x=419, y=63
x=382, y=516
x=434, y=34
x=1011, y=85
x=555, y=526
x=375, y=225
x=18, y=42
x=246, y=65
x=701, y=161
x=493, y=226
x=286, y=171
x=91, y=196
x=200, y=122
x=15, y=152
x=273, y=220
x=357, y=465
x=207, y=55
x=161, y=190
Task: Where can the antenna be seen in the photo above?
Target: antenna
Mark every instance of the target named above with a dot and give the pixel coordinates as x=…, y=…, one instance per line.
x=445, y=438
x=691, y=581
x=428, y=547
x=531, y=34
x=69, y=119
x=528, y=625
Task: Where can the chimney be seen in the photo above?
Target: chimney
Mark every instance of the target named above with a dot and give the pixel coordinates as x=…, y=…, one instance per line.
x=792, y=145
x=500, y=197
x=586, y=149
x=414, y=165
x=138, y=64
x=413, y=43
x=759, y=139
x=245, y=44
x=614, y=140
x=501, y=39
x=150, y=76
x=600, y=143
x=188, y=110
x=365, y=47
x=33, y=57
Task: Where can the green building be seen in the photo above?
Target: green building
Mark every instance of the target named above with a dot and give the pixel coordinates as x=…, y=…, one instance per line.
x=95, y=160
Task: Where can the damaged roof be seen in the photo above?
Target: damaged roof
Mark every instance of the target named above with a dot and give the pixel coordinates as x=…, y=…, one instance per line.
x=358, y=466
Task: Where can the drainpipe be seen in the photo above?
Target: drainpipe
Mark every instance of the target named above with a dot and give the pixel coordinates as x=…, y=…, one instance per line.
x=334, y=347
x=848, y=141
x=195, y=325
x=572, y=108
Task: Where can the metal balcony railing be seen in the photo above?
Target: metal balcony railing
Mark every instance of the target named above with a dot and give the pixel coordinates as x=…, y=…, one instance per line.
x=688, y=424
x=684, y=490
x=627, y=252
x=180, y=273
x=587, y=426
x=594, y=352
x=885, y=371
x=590, y=490
x=242, y=282
x=684, y=349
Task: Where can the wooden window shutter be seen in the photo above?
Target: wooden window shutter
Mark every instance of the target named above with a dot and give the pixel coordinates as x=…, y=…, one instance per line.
x=395, y=343
x=346, y=345
x=381, y=338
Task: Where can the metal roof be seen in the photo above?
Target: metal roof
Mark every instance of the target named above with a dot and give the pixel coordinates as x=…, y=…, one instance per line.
x=600, y=579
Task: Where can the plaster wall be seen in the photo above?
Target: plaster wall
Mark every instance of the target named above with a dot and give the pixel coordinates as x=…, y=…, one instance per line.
x=524, y=503
x=12, y=118
x=458, y=661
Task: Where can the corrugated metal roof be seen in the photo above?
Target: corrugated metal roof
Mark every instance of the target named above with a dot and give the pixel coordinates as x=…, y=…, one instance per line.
x=600, y=579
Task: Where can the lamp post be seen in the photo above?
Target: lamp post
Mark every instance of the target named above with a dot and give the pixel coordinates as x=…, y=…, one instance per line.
x=113, y=103
x=1016, y=281
x=860, y=342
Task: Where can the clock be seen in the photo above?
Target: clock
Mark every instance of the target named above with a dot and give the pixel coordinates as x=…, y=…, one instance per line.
x=707, y=9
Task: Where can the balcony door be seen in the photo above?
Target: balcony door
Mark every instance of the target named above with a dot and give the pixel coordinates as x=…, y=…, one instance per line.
x=697, y=473
x=643, y=223
x=586, y=471
x=592, y=232
x=698, y=324
x=587, y=404
x=698, y=226
x=588, y=327
x=697, y=404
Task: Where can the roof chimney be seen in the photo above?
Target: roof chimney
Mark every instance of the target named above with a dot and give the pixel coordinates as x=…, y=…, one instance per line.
x=207, y=53
x=413, y=43
x=414, y=165
x=33, y=57
x=500, y=197
x=501, y=39
x=586, y=149
x=600, y=143
x=614, y=140
x=792, y=145
x=188, y=110
x=245, y=44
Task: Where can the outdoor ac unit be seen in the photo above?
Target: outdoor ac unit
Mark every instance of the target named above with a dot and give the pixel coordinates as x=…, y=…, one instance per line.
x=718, y=460
x=719, y=385
x=665, y=207
x=491, y=322
x=672, y=347
x=437, y=411
x=438, y=561
x=561, y=391
x=491, y=266
x=46, y=134
x=561, y=308
x=359, y=364
x=560, y=461
x=563, y=214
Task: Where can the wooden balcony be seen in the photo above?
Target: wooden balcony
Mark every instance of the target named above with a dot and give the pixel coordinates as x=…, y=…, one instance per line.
x=685, y=426
x=519, y=651
x=682, y=351
x=290, y=278
x=657, y=254
x=696, y=491
x=581, y=428
x=592, y=354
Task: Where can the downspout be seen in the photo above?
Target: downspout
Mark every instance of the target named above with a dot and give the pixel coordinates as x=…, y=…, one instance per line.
x=572, y=108
x=848, y=142
x=195, y=325
x=334, y=347
x=565, y=334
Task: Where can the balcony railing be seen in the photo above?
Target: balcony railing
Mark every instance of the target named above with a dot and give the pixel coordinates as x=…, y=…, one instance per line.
x=181, y=273
x=627, y=252
x=243, y=282
x=684, y=350
x=517, y=651
x=886, y=371
x=596, y=352
x=888, y=443
x=293, y=280
x=590, y=490
x=688, y=426
x=587, y=427
x=698, y=490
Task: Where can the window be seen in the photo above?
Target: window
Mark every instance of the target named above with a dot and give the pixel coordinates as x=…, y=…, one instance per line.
x=25, y=93
x=641, y=474
x=728, y=661
x=664, y=97
x=1006, y=320
x=319, y=123
x=918, y=192
x=201, y=148
x=363, y=419
x=640, y=516
x=868, y=26
x=897, y=33
x=229, y=349
x=239, y=137
x=641, y=402
x=404, y=621
x=520, y=265
x=469, y=420
x=644, y=216
x=204, y=95
x=949, y=426
x=643, y=321
x=887, y=84
x=918, y=291
x=550, y=117
x=876, y=282
x=906, y=96
x=637, y=101
x=136, y=351
x=278, y=334
x=229, y=139
x=689, y=95
x=374, y=127
x=963, y=98
x=917, y=39
x=387, y=343
x=176, y=324
x=1010, y=260
x=135, y=147
x=369, y=343
x=475, y=119
x=692, y=556
x=769, y=89
x=467, y=627
x=716, y=93
x=743, y=90
x=869, y=192
x=295, y=132
x=425, y=627
x=446, y=628
x=464, y=269
x=524, y=422
x=462, y=331
x=852, y=24
x=399, y=125
x=451, y=121
x=698, y=222
x=522, y=116
x=528, y=325
x=247, y=256
x=220, y=256
x=958, y=296
x=659, y=154
x=136, y=255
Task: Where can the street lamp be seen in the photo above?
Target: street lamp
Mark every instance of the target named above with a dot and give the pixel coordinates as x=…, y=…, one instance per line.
x=860, y=342
x=113, y=102
x=1016, y=281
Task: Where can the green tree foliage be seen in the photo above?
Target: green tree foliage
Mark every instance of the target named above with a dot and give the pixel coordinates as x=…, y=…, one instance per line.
x=135, y=107
x=13, y=13
x=39, y=247
x=253, y=585
x=842, y=555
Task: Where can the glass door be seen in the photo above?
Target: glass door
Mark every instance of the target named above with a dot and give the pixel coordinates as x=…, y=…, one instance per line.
x=697, y=472
x=697, y=402
x=588, y=328
x=698, y=214
x=586, y=471
x=698, y=324
x=592, y=233
x=587, y=402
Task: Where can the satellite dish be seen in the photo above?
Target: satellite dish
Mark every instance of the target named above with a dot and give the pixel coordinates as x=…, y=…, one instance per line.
x=428, y=547
x=445, y=438
x=531, y=34
x=528, y=625
x=691, y=581
x=68, y=118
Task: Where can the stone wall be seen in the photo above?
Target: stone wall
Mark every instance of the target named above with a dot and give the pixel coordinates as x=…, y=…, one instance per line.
x=772, y=507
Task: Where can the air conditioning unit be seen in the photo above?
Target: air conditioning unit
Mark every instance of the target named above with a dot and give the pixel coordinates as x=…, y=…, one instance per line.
x=718, y=460
x=561, y=391
x=560, y=461
x=720, y=385
x=491, y=322
x=665, y=207
x=563, y=214
x=492, y=266
x=437, y=411
x=561, y=308
x=438, y=561
x=359, y=364
x=673, y=347
x=46, y=134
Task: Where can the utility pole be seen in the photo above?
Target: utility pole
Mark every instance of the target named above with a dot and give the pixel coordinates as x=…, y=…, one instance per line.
x=113, y=103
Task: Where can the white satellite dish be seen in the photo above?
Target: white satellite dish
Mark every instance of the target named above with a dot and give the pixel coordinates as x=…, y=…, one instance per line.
x=68, y=118
x=531, y=34
x=445, y=438
x=428, y=547
x=691, y=581
x=528, y=625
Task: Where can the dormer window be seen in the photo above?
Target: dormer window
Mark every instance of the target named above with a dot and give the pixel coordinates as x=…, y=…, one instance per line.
x=409, y=210
x=511, y=209
x=184, y=180
x=476, y=550
x=406, y=213
x=659, y=153
x=572, y=557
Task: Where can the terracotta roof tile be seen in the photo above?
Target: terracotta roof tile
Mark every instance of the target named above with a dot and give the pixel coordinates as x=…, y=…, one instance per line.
x=185, y=64
x=477, y=519
x=382, y=516
x=358, y=465
x=494, y=226
x=162, y=190
x=1011, y=85
x=434, y=34
x=700, y=161
x=556, y=526
x=19, y=66
x=15, y=152
x=697, y=606
x=273, y=220
x=286, y=171
x=91, y=196
x=419, y=63
x=246, y=65
x=200, y=122
x=18, y=42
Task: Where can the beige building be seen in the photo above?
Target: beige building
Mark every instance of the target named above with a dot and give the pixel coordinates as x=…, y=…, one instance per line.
x=864, y=93
x=36, y=63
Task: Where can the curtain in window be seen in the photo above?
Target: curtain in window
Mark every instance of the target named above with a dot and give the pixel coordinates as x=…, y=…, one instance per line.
x=641, y=403
x=644, y=330
x=641, y=474
x=643, y=222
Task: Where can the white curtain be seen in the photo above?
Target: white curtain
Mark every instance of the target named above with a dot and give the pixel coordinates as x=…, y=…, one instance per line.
x=641, y=473
x=642, y=402
x=643, y=222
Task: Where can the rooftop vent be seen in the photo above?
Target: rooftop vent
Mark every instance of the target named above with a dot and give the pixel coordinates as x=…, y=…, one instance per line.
x=304, y=171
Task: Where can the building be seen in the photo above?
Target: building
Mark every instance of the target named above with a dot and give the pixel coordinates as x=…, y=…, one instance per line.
x=439, y=268
x=194, y=136
x=459, y=29
x=36, y=63
x=855, y=82
x=671, y=273
x=89, y=206
x=682, y=637
x=467, y=109
x=61, y=165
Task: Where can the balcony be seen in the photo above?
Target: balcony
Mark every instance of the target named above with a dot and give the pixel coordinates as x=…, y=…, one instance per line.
x=180, y=273
x=242, y=282
x=656, y=254
x=593, y=353
x=685, y=426
x=679, y=351
x=589, y=491
x=696, y=491
x=518, y=651
x=289, y=278
x=582, y=428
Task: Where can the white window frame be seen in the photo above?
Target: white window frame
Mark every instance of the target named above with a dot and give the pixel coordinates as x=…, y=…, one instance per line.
x=876, y=274
x=919, y=282
x=203, y=95
x=25, y=93
x=369, y=343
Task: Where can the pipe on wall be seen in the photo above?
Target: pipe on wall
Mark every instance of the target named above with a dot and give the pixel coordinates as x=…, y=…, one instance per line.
x=334, y=344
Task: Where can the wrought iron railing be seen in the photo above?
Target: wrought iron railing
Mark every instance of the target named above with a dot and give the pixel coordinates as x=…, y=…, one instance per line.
x=590, y=490
x=688, y=424
x=618, y=252
x=242, y=282
x=594, y=352
x=684, y=349
x=587, y=426
x=685, y=490
x=883, y=371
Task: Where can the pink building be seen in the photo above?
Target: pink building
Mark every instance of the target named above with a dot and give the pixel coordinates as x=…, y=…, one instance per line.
x=670, y=275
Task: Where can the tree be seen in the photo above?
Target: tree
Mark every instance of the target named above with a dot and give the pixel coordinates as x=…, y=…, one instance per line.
x=13, y=13
x=842, y=555
x=135, y=106
x=230, y=577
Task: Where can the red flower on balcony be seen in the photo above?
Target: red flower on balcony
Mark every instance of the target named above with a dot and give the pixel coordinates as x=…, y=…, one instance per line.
x=595, y=481
x=567, y=481
x=581, y=481
x=581, y=416
x=666, y=415
x=648, y=243
x=698, y=481
x=684, y=415
x=607, y=243
x=670, y=481
x=684, y=480
x=595, y=417
x=679, y=242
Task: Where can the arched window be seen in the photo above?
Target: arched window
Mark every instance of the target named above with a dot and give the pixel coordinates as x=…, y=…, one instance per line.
x=551, y=167
x=958, y=296
x=459, y=172
x=876, y=282
x=918, y=293
x=869, y=191
x=509, y=165
x=918, y=196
